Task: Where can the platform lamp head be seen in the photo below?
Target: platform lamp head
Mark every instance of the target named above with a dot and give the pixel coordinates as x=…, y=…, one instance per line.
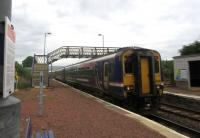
x=45, y=35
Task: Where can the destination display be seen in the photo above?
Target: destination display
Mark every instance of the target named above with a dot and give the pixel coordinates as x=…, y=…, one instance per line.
x=9, y=59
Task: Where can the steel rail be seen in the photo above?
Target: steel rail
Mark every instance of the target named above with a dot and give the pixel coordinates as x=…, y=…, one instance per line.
x=182, y=108
x=187, y=114
x=188, y=129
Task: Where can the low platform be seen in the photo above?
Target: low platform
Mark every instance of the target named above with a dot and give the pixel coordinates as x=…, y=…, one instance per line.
x=183, y=100
x=72, y=113
x=195, y=94
x=186, y=95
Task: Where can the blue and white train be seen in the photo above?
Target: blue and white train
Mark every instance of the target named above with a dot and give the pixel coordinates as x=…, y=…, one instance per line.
x=132, y=75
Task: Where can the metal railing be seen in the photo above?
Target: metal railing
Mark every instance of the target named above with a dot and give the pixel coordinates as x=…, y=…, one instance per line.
x=79, y=52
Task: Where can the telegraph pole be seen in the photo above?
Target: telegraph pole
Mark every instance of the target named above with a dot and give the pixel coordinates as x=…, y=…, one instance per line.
x=9, y=105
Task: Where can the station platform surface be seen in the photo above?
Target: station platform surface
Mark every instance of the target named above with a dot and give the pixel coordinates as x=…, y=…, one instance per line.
x=71, y=113
x=184, y=93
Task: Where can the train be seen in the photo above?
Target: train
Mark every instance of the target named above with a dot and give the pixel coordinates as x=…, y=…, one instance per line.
x=131, y=75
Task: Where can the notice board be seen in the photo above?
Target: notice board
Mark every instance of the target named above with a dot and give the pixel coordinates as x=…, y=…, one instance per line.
x=7, y=58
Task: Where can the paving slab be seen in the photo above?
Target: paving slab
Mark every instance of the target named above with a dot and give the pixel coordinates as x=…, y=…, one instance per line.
x=71, y=113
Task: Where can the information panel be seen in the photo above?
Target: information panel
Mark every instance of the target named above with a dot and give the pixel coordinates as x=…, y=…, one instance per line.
x=9, y=59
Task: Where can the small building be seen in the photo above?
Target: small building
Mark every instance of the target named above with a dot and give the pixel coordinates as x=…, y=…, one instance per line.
x=187, y=71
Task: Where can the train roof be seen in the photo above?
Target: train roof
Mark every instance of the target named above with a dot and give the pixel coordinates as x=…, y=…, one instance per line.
x=95, y=59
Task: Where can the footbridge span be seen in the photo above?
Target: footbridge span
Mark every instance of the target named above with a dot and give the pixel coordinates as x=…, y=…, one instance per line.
x=79, y=52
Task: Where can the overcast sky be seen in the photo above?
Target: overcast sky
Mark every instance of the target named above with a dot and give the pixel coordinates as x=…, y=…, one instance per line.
x=163, y=25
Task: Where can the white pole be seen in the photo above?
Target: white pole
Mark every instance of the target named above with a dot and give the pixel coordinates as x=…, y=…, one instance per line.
x=102, y=41
x=45, y=35
x=41, y=94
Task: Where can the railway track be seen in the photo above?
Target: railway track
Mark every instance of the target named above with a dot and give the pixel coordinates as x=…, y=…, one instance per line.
x=179, y=126
x=180, y=111
x=176, y=126
x=187, y=121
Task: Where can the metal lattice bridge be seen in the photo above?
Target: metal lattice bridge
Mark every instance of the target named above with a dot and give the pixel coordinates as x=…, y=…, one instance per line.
x=41, y=62
x=79, y=52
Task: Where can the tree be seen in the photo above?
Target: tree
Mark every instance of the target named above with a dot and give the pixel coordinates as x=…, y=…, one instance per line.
x=23, y=76
x=192, y=48
x=168, y=70
x=27, y=62
x=19, y=68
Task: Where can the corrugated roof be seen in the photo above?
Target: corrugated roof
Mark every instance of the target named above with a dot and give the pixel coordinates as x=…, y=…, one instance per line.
x=185, y=56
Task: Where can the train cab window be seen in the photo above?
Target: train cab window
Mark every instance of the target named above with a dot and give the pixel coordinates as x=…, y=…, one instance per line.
x=156, y=65
x=128, y=64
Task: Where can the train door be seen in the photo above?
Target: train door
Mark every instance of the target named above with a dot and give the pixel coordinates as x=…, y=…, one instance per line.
x=145, y=74
x=106, y=75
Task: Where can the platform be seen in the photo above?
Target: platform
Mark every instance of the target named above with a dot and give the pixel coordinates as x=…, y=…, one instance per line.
x=182, y=92
x=183, y=100
x=72, y=113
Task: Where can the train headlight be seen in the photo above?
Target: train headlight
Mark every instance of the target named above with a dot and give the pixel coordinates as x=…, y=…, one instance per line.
x=128, y=88
x=160, y=88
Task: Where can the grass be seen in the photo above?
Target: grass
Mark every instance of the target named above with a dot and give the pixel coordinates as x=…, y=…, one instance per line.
x=23, y=83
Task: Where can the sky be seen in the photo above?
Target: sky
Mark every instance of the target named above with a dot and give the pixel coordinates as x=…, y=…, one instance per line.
x=162, y=25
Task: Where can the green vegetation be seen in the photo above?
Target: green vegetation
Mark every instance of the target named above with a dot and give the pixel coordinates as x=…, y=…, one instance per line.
x=27, y=62
x=23, y=75
x=168, y=71
x=193, y=48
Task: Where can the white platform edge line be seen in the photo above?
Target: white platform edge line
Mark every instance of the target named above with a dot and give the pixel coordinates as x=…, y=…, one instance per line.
x=183, y=95
x=137, y=117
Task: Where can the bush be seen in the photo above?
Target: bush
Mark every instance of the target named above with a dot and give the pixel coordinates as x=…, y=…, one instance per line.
x=168, y=71
x=23, y=75
x=23, y=83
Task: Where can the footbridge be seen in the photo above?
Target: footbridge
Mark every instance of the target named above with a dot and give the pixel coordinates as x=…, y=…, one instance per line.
x=79, y=52
x=41, y=62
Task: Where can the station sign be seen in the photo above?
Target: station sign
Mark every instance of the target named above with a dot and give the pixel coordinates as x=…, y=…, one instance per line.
x=7, y=63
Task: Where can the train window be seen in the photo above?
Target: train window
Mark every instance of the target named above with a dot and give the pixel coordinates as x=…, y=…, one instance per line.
x=112, y=68
x=128, y=64
x=156, y=65
x=106, y=69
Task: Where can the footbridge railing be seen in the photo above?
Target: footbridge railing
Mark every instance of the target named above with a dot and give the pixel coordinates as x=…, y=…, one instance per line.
x=79, y=52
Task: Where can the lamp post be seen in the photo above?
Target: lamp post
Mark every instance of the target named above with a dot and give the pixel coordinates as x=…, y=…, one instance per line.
x=45, y=35
x=102, y=41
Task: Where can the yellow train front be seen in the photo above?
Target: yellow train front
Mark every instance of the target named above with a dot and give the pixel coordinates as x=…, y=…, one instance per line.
x=142, y=79
x=132, y=75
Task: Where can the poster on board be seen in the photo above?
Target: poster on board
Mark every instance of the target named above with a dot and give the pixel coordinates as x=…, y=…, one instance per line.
x=2, y=29
x=9, y=59
x=184, y=74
